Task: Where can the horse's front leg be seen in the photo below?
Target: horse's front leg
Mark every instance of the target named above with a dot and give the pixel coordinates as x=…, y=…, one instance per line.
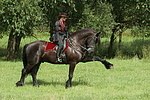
x=70, y=76
x=107, y=64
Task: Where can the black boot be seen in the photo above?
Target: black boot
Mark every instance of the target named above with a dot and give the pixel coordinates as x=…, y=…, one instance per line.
x=59, y=51
x=58, y=55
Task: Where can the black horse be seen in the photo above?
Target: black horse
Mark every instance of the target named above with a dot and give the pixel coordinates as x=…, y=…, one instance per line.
x=81, y=44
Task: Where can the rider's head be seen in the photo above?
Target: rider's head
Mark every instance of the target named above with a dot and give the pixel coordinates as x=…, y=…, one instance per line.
x=63, y=16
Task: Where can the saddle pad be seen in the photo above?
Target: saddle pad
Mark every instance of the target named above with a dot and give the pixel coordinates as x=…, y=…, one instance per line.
x=52, y=46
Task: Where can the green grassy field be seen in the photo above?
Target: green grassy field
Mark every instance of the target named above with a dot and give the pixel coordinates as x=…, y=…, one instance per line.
x=128, y=81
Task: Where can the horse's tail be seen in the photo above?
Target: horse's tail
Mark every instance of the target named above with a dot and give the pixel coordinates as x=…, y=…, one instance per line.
x=24, y=56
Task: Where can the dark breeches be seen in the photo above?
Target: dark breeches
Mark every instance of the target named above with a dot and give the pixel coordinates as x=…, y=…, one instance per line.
x=60, y=47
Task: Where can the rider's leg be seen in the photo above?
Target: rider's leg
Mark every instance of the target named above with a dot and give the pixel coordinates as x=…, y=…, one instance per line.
x=59, y=50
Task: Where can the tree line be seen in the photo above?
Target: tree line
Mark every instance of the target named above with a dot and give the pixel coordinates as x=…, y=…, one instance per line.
x=111, y=17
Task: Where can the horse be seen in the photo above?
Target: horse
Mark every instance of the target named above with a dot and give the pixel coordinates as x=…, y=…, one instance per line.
x=80, y=45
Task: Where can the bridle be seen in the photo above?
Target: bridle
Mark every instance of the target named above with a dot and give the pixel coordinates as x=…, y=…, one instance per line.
x=72, y=43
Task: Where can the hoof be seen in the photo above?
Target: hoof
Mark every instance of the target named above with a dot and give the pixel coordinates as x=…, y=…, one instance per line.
x=19, y=83
x=111, y=66
x=68, y=84
x=37, y=85
x=68, y=87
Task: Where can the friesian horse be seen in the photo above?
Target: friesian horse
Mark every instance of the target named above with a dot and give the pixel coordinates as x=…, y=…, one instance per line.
x=81, y=44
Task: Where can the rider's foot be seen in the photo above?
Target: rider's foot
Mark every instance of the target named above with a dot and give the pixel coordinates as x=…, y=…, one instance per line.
x=59, y=60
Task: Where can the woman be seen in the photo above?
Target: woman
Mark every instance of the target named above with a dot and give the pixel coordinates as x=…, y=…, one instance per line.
x=60, y=32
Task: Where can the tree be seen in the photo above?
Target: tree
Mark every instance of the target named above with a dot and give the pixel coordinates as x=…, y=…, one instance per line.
x=129, y=13
x=97, y=15
x=18, y=17
x=52, y=9
x=82, y=13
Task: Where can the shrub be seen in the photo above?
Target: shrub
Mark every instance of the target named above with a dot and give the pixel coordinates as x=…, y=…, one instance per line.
x=139, y=48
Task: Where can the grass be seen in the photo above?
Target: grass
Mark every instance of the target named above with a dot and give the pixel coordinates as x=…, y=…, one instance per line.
x=128, y=81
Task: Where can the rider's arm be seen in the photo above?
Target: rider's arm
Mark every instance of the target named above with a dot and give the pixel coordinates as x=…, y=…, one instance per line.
x=58, y=28
x=66, y=28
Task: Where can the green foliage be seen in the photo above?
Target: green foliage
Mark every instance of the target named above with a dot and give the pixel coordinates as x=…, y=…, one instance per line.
x=82, y=13
x=137, y=48
x=52, y=9
x=145, y=51
x=130, y=48
x=97, y=16
x=141, y=31
x=19, y=16
x=132, y=13
x=23, y=15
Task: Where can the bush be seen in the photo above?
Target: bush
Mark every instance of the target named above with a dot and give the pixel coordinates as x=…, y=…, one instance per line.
x=102, y=50
x=139, y=48
x=145, y=51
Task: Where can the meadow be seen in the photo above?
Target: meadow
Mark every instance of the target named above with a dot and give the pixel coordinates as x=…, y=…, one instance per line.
x=128, y=81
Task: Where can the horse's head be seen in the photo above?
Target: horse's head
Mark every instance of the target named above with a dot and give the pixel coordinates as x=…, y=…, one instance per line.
x=91, y=42
x=87, y=38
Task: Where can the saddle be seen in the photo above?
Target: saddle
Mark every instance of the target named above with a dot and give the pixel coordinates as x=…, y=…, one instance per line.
x=53, y=46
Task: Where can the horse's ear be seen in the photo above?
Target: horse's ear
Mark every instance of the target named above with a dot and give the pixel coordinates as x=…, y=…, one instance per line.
x=98, y=37
x=98, y=33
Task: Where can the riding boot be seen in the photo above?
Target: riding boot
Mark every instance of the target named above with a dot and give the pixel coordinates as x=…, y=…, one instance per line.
x=59, y=51
x=58, y=55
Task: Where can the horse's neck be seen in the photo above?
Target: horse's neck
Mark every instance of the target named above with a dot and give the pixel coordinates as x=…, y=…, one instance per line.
x=78, y=40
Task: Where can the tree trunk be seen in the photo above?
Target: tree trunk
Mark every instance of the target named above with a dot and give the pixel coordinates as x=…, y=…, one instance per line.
x=120, y=40
x=13, y=46
x=122, y=28
x=110, y=48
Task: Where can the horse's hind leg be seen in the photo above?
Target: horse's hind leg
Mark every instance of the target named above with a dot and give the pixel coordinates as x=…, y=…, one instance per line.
x=25, y=72
x=34, y=73
x=21, y=82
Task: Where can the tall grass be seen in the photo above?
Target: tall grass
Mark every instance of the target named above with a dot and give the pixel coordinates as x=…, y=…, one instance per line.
x=128, y=81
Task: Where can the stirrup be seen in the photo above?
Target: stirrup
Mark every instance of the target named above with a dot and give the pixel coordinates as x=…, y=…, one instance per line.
x=59, y=60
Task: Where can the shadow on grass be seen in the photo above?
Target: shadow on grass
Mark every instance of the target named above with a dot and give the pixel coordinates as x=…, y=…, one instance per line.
x=56, y=83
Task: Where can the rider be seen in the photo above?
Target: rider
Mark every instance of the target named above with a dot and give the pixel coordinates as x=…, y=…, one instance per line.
x=60, y=32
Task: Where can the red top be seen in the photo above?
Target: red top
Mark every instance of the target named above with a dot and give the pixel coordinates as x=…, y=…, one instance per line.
x=62, y=25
